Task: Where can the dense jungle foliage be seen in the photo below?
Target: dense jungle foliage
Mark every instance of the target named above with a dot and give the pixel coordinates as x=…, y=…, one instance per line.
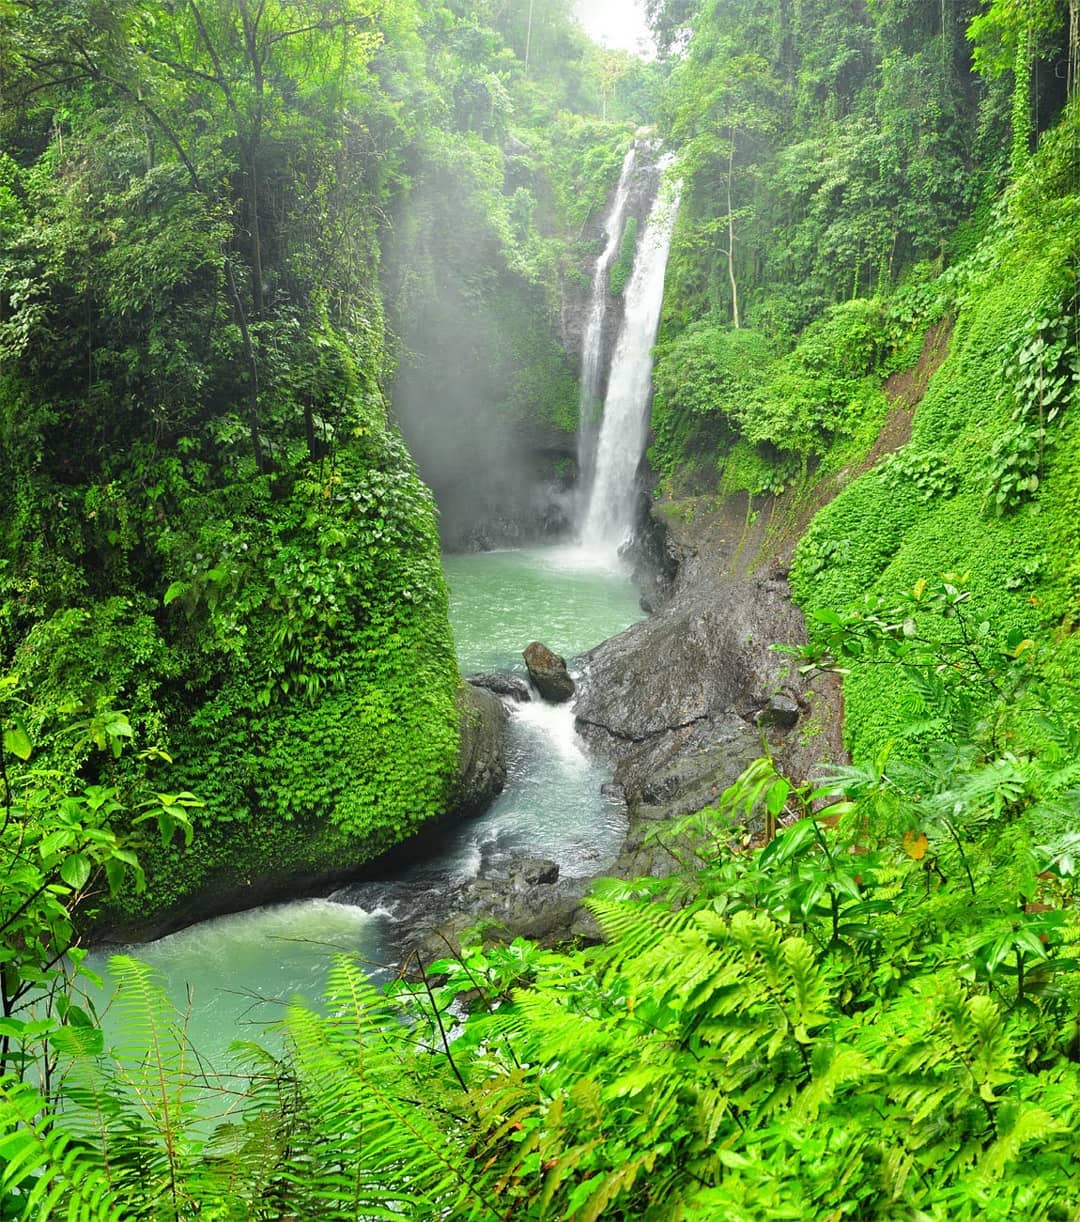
x=858, y=998
x=209, y=213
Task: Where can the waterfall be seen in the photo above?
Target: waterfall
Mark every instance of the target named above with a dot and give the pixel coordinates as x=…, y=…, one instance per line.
x=592, y=344
x=609, y=519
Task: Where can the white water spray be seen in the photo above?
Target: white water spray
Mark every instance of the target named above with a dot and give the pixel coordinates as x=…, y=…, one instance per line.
x=609, y=519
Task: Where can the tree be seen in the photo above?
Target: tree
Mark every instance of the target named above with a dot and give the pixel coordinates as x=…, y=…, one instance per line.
x=1011, y=34
x=726, y=109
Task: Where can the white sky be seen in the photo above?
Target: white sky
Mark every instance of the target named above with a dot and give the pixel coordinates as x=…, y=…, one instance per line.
x=616, y=23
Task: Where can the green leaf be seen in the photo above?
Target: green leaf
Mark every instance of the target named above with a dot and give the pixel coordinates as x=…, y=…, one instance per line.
x=732, y=1159
x=777, y=796
x=75, y=871
x=62, y=838
x=17, y=741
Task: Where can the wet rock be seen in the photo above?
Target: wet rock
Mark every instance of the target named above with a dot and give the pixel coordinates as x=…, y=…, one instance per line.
x=502, y=683
x=534, y=872
x=482, y=756
x=655, y=792
x=781, y=712
x=548, y=672
x=679, y=702
x=532, y=903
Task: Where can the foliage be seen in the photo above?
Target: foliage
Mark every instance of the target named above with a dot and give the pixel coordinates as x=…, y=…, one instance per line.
x=703, y=381
x=985, y=477
x=624, y=262
x=875, y=1011
x=929, y=472
x=718, y=388
x=1040, y=371
x=872, y=1010
x=208, y=520
x=63, y=849
x=837, y=145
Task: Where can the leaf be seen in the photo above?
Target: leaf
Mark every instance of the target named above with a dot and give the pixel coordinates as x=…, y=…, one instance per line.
x=777, y=795
x=55, y=841
x=174, y=591
x=915, y=845
x=75, y=871
x=17, y=741
x=732, y=1159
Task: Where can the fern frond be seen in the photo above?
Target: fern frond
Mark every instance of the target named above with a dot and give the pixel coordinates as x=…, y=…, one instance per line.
x=1028, y=1124
x=832, y=1068
x=374, y=1147
x=633, y=928
x=45, y=1171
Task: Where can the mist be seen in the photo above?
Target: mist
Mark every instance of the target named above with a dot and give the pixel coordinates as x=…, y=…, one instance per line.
x=485, y=393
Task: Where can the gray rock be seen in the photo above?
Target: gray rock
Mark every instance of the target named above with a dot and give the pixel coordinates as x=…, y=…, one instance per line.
x=679, y=702
x=482, y=756
x=546, y=910
x=781, y=712
x=548, y=672
x=534, y=872
x=502, y=683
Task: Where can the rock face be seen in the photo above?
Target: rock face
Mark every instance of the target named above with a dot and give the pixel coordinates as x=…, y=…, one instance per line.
x=548, y=671
x=682, y=702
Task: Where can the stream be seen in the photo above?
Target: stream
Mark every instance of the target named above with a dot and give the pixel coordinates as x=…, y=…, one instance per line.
x=234, y=975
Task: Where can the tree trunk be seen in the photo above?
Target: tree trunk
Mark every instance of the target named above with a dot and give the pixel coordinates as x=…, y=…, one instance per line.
x=253, y=369
x=1021, y=107
x=251, y=43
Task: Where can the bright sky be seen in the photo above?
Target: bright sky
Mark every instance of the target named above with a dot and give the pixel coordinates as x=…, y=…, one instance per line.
x=616, y=23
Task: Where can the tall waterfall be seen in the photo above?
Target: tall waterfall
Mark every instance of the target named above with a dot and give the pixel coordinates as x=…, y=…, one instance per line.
x=609, y=519
x=592, y=346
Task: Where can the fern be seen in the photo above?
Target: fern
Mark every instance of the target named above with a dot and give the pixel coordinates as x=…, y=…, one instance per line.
x=379, y=1151
x=46, y=1172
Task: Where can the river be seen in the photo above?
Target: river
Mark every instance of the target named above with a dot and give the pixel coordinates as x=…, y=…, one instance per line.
x=234, y=975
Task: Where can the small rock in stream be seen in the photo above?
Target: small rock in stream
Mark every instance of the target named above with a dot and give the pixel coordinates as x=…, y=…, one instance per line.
x=534, y=871
x=548, y=671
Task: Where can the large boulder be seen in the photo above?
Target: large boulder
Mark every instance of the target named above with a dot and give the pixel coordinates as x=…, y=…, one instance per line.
x=482, y=757
x=548, y=672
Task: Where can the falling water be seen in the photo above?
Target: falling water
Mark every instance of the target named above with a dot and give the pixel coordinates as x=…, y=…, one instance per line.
x=592, y=345
x=610, y=515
